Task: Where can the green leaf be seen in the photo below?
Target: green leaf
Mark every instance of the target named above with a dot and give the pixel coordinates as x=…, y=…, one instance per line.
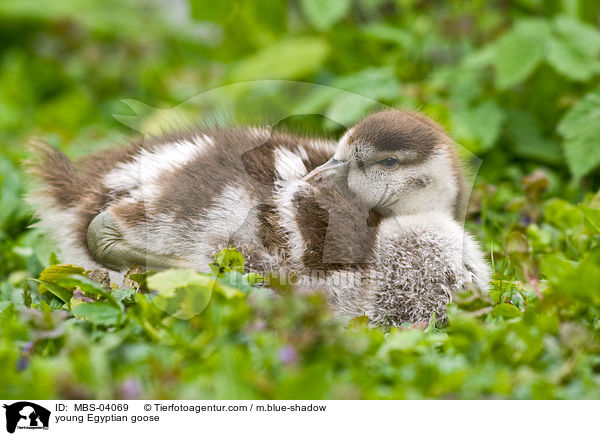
x=507, y=311
x=167, y=282
x=401, y=341
x=563, y=215
x=53, y=259
x=55, y=289
x=376, y=83
x=55, y=272
x=290, y=59
x=182, y=293
x=227, y=291
x=211, y=10
x=233, y=284
x=516, y=243
x=386, y=32
x=529, y=143
x=88, y=287
x=349, y=108
x=228, y=259
x=568, y=59
x=121, y=294
x=573, y=49
x=578, y=280
x=98, y=312
x=592, y=218
x=520, y=51
x=10, y=185
x=581, y=131
x=253, y=278
x=477, y=127
x=323, y=14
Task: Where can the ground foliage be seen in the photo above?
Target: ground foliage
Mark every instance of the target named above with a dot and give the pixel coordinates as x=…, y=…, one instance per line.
x=514, y=82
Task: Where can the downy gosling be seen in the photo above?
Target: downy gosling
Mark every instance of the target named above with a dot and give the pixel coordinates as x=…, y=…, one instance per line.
x=374, y=220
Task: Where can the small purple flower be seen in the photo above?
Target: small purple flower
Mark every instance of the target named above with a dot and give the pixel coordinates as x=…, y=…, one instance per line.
x=258, y=326
x=131, y=389
x=288, y=355
x=526, y=220
x=80, y=296
x=27, y=348
x=22, y=363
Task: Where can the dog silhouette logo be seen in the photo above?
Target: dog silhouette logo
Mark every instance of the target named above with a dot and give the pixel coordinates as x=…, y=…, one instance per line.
x=26, y=415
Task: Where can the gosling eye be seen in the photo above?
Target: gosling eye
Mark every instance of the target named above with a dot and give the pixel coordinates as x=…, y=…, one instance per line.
x=389, y=163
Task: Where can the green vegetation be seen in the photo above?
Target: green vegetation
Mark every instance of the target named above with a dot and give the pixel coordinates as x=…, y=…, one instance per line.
x=516, y=83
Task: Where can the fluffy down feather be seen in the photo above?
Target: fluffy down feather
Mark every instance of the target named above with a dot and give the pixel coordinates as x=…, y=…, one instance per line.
x=421, y=262
x=243, y=187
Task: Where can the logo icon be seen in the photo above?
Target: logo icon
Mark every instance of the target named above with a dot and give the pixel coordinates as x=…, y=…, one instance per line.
x=26, y=415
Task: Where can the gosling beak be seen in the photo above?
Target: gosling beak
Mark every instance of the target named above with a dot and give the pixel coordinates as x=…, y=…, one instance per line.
x=333, y=169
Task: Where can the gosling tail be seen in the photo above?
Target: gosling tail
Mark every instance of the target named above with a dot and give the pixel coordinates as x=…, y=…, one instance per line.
x=56, y=177
x=60, y=198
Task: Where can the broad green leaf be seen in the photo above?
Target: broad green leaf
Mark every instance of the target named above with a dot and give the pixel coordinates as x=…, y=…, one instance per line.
x=402, y=340
x=55, y=289
x=595, y=202
x=10, y=186
x=480, y=58
x=253, y=278
x=182, y=293
x=573, y=49
x=377, y=83
x=516, y=243
x=581, y=131
x=290, y=59
x=592, y=218
x=167, y=282
x=529, y=143
x=98, y=312
x=88, y=287
x=520, y=51
x=507, y=311
x=53, y=259
x=579, y=280
x=226, y=290
x=386, y=32
x=56, y=272
x=121, y=294
x=323, y=14
x=556, y=266
x=477, y=127
x=349, y=109
x=563, y=215
x=130, y=21
x=233, y=284
x=567, y=57
x=228, y=259
x=211, y=10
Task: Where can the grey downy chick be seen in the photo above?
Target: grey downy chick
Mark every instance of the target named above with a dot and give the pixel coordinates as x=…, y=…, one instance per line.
x=405, y=167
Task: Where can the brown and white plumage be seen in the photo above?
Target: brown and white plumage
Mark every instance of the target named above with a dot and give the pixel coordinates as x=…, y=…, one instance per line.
x=181, y=195
x=178, y=199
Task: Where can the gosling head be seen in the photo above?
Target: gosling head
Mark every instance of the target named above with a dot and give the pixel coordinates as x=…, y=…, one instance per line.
x=398, y=163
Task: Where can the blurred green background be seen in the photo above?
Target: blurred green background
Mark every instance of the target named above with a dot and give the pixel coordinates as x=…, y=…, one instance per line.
x=501, y=76
x=514, y=82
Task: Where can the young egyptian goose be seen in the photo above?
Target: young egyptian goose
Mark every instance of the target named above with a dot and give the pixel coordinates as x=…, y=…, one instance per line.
x=384, y=200
x=405, y=167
